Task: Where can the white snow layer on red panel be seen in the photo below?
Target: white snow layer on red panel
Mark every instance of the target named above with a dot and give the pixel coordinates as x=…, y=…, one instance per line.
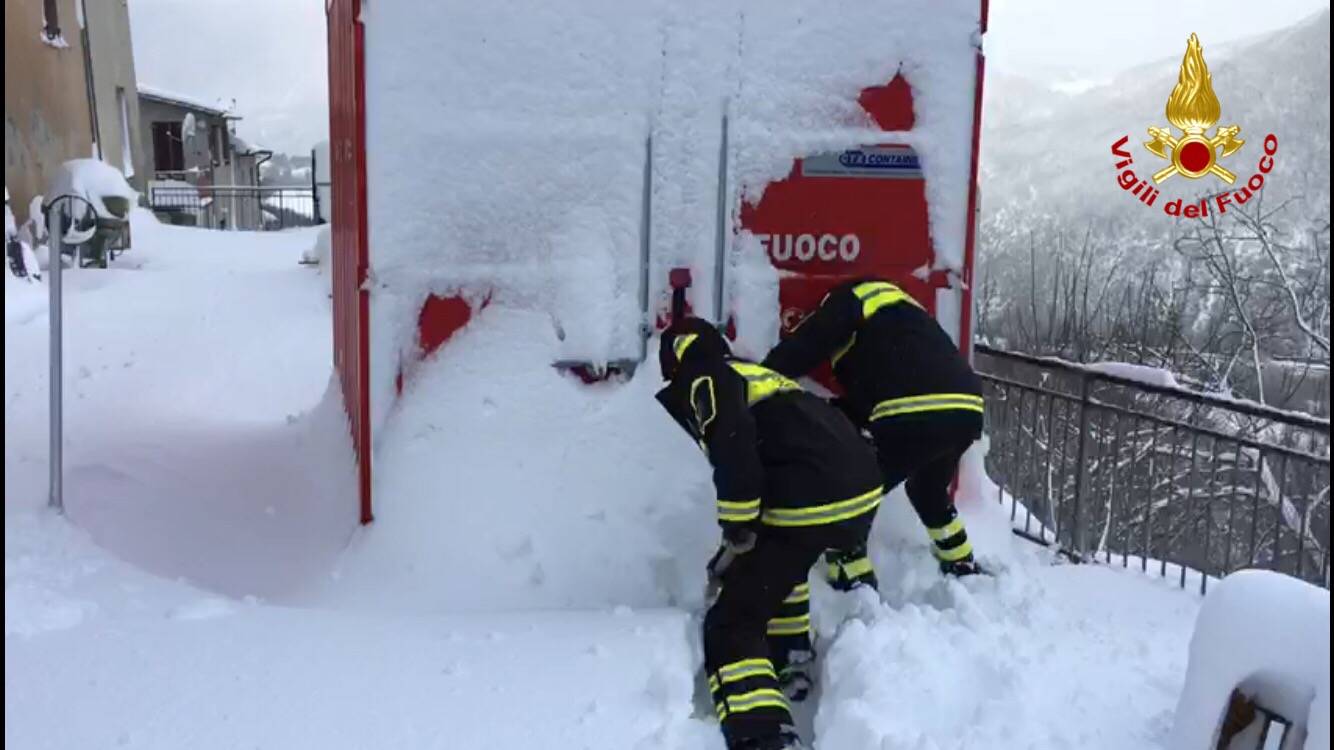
x=499, y=134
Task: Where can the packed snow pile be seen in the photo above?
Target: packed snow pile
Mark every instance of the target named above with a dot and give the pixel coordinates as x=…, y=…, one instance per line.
x=1265, y=635
x=93, y=181
x=201, y=442
x=505, y=484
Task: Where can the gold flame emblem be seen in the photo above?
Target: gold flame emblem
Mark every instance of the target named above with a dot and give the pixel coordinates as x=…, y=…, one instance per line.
x=1193, y=108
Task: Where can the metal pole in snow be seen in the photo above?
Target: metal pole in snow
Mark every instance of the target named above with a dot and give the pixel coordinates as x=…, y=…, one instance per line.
x=55, y=229
x=235, y=217
x=646, y=321
x=720, y=240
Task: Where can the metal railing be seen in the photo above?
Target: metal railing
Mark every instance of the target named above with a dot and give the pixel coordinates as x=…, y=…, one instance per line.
x=238, y=207
x=1189, y=485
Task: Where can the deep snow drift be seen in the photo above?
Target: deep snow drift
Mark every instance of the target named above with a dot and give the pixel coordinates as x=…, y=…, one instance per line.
x=199, y=440
x=504, y=484
x=100, y=653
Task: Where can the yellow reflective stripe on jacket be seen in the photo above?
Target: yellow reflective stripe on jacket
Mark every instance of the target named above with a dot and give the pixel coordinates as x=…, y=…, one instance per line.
x=762, y=698
x=738, y=511
x=802, y=593
x=946, y=531
x=705, y=411
x=681, y=343
x=761, y=382
x=843, y=350
x=822, y=514
x=877, y=294
x=789, y=625
x=929, y=402
x=955, y=553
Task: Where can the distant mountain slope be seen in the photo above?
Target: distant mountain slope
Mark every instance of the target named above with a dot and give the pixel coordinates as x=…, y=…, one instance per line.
x=1045, y=152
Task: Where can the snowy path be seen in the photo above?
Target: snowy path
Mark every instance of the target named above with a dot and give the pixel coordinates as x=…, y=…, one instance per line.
x=226, y=676
x=221, y=480
x=1050, y=657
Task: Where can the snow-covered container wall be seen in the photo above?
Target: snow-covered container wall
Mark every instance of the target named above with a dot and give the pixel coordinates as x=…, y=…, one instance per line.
x=506, y=170
x=505, y=144
x=1265, y=635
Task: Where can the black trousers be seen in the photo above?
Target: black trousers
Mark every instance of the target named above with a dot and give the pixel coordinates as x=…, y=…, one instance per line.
x=742, y=675
x=924, y=451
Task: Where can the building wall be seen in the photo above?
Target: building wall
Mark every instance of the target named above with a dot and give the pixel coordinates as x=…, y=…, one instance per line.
x=47, y=118
x=199, y=150
x=113, y=72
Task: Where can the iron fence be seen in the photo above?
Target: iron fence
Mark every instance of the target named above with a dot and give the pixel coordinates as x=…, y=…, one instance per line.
x=238, y=207
x=1192, y=486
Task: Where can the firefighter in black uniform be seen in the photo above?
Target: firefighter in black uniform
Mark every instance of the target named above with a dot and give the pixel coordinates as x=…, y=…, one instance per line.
x=907, y=384
x=793, y=479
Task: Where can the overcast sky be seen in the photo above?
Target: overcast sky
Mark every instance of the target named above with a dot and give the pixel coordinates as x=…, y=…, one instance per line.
x=269, y=55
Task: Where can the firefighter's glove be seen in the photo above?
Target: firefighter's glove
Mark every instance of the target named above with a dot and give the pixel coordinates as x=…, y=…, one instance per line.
x=740, y=538
x=737, y=541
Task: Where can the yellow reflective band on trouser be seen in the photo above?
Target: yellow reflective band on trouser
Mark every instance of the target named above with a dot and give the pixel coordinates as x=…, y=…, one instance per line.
x=877, y=294
x=851, y=570
x=789, y=625
x=931, y=402
x=740, y=670
x=802, y=593
x=822, y=514
x=681, y=343
x=761, y=382
x=955, y=554
x=946, y=531
x=762, y=698
x=738, y=511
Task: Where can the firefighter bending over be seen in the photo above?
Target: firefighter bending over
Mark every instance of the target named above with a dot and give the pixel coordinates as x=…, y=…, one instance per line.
x=793, y=479
x=908, y=385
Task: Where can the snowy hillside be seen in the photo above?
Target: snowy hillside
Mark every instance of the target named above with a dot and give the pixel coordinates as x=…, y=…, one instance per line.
x=1046, y=152
x=1071, y=264
x=188, y=601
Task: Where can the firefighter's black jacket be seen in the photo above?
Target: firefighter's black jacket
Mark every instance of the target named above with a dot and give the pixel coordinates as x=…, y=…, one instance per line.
x=889, y=355
x=780, y=456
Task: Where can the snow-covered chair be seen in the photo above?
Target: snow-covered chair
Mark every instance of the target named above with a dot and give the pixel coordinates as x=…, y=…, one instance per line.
x=104, y=202
x=1259, y=657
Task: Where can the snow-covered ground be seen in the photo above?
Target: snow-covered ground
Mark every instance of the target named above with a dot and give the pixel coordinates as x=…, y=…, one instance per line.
x=198, y=594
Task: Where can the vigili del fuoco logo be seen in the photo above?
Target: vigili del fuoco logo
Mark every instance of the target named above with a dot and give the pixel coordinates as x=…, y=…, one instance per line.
x=1194, y=154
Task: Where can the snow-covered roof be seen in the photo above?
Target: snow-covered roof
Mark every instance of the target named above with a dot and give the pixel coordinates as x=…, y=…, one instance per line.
x=246, y=147
x=168, y=97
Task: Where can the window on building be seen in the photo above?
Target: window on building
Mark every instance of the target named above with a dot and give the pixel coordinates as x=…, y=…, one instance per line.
x=51, y=19
x=126, y=140
x=216, y=144
x=168, y=150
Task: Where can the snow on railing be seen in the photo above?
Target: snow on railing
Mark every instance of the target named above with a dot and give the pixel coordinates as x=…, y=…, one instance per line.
x=1154, y=475
x=239, y=207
